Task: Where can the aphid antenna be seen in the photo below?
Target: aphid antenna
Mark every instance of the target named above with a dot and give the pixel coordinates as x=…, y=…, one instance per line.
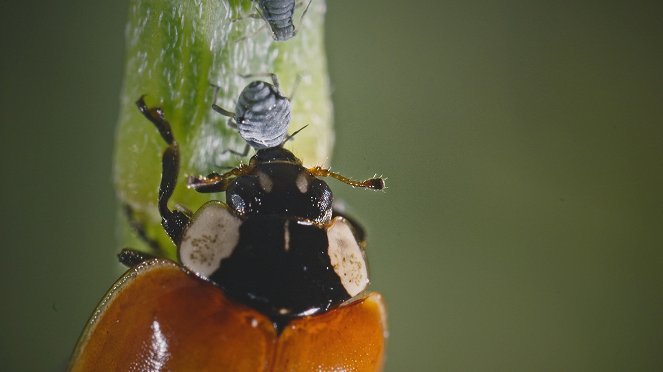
x=304, y=12
x=291, y=136
x=295, y=85
x=275, y=79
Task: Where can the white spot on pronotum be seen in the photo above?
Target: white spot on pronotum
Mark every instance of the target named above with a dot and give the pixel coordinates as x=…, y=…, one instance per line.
x=286, y=235
x=302, y=183
x=346, y=257
x=265, y=181
x=211, y=237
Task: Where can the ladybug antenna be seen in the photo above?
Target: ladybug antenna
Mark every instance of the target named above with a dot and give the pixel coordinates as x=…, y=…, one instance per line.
x=376, y=183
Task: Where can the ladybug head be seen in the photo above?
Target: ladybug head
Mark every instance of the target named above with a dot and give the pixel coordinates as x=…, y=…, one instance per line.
x=280, y=185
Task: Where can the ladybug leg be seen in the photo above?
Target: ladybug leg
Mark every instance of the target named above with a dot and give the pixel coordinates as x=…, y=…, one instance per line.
x=131, y=257
x=376, y=183
x=173, y=221
x=139, y=228
x=215, y=182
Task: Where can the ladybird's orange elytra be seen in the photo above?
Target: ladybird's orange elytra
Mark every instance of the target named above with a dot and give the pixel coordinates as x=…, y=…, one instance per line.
x=159, y=316
x=349, y=338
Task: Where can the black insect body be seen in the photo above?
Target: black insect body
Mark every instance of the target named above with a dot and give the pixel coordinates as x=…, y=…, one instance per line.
x=262, y=114
x=275, y=245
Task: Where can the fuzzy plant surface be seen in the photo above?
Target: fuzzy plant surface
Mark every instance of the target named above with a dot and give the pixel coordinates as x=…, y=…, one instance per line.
x=176, y=51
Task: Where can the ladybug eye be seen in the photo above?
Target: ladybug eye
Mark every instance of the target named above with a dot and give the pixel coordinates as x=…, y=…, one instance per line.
x=237, y=203
x=322, y=198
x=244, y=193
x=346, y=257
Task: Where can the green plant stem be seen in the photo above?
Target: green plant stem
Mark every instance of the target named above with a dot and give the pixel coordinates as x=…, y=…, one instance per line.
x=175, y=50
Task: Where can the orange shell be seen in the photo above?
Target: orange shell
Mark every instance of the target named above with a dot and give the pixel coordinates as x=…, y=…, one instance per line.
x=159, y=316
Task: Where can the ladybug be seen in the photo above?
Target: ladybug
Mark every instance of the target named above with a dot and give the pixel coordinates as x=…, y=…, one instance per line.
x=274, y=279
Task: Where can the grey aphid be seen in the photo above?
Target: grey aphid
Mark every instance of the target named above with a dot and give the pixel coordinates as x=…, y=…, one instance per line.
x=261, y=116
x=278, y=14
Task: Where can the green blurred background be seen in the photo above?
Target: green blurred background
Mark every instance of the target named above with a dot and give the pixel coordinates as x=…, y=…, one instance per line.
x=523, y=141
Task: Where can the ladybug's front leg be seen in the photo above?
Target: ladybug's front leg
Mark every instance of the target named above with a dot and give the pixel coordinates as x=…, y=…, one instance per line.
x=173, y=221
x=132, y=258
x=215, y=182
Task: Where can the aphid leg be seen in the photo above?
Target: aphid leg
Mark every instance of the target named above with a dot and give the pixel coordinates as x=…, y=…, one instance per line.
x=233, y=124
x=131, y=257
x=218, y=108
x=173, y=221
x=223, y=111
x=254, y=33
x=215, y=182
x=250, y=15
x=257, y=15
x=242, y=153
x=373, y=183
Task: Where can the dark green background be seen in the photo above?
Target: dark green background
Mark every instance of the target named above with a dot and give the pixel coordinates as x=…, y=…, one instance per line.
x=523, y=141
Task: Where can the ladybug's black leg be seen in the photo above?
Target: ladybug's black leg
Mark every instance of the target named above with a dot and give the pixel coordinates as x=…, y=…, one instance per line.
x=131, y=257
x=373, y=183
x=173, y=221
x=215, y=182
x=139, y=228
